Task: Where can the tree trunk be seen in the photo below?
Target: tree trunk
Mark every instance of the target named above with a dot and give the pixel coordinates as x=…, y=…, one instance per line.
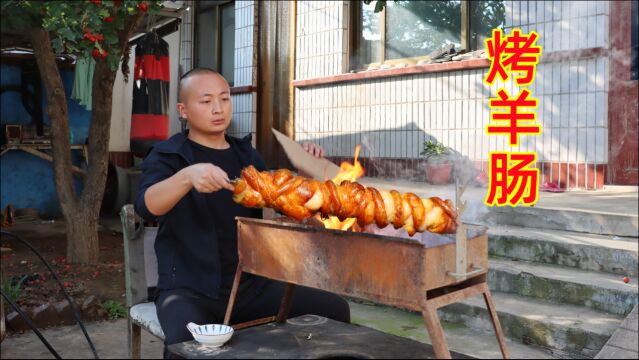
x=82, y=236
x=81, y=213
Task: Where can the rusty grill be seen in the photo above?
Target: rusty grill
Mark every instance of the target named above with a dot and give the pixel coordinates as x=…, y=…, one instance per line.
x=418, y=273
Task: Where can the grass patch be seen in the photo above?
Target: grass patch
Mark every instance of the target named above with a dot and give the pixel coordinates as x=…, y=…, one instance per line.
x=114, y=309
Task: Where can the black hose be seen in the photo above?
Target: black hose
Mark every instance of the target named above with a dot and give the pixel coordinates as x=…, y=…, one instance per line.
x=71, y=303
x=31, y=324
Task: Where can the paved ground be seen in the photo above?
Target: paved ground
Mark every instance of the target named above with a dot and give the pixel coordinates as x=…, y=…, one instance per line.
x=623, y=343
x=111, y=337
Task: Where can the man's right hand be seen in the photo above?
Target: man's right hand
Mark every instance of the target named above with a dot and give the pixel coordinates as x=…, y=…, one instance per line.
x=208, y=178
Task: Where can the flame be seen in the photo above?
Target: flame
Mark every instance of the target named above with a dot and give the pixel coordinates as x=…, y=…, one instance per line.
x=350, y=172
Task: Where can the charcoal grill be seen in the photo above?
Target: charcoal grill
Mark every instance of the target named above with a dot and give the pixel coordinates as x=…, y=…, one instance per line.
x=419, y=273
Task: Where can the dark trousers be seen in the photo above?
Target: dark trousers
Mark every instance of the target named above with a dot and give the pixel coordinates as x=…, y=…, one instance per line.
x=178, y=307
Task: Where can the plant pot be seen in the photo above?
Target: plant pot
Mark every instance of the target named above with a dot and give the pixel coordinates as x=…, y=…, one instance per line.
x=438, y=174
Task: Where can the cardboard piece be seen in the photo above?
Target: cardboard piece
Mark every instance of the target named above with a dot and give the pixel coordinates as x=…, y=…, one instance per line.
x=319, y=169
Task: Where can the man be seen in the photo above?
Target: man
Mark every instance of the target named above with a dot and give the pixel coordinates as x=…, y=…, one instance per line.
x=185, y=185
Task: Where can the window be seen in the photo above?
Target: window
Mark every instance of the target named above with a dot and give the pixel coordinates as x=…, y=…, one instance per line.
x=215, y=36
x=410, y=30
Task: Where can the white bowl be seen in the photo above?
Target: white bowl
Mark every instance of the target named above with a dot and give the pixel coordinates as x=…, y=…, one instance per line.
x=214, y=335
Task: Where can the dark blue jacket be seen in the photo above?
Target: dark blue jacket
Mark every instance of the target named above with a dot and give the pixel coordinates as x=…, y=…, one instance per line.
x=186, y=245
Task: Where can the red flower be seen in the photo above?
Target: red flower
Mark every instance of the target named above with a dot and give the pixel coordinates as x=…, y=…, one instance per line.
x=143, y=6
x=116, y=3
x=108, y=19
x=97, y=2
x=89, y=37
x=98, y=37
x=99, y=54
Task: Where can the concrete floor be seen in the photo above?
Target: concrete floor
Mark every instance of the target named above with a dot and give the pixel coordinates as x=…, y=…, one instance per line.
x=110, y=338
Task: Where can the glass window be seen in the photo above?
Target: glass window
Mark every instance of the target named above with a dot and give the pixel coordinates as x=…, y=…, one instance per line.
x=228, y=42
x=215, y=37
x=484, y=17
x=414, y=29
x=368, y=43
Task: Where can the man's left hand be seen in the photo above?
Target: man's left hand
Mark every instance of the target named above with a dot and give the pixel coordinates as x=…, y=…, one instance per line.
x=313, y=149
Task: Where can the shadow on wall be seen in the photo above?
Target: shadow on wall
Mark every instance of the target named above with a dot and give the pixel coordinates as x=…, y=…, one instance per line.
x=395, y=141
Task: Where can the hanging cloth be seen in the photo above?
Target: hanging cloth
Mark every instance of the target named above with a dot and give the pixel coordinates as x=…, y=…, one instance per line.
x=149, y=118
x=83, y=82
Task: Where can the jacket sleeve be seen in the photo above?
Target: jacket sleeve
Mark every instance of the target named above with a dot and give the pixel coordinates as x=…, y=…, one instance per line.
x=155, y=168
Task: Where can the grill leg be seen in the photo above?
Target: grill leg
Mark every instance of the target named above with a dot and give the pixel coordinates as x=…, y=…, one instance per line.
x=236, y=285
x=493, y=316
x=435, y=331
x=285, y=306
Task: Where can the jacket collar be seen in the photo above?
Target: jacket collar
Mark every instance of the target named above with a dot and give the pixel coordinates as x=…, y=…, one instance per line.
x=177, y=144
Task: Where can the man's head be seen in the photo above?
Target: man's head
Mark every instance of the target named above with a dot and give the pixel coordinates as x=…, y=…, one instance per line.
x=205, y=101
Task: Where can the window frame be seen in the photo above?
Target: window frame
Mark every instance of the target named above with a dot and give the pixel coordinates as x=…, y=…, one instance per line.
x=355, y=29
x=217, y=10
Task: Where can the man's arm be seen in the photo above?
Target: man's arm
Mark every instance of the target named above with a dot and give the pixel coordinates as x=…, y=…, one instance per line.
x=206, y=178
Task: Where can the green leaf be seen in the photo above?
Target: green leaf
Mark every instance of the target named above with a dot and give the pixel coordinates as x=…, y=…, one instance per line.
x=67, y=33
x=58, y=45
x=111, y=38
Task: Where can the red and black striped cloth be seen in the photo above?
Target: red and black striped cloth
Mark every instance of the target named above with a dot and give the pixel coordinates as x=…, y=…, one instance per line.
x=149, y=118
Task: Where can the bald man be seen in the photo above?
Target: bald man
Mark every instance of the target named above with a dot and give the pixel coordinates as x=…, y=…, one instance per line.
x=185, y=187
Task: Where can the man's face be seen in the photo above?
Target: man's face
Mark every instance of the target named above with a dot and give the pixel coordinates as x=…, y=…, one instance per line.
x=206, y=104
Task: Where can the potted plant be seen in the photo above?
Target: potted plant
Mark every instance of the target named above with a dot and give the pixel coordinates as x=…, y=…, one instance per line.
x=438, y=162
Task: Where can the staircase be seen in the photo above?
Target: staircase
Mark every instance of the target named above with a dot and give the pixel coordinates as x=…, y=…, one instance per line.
x=556, y=276
x=557, y=283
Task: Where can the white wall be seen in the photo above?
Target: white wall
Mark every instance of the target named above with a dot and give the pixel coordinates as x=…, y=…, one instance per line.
x=393, y=116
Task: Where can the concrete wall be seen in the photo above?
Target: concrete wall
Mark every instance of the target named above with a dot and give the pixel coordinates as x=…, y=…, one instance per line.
x=392, y=116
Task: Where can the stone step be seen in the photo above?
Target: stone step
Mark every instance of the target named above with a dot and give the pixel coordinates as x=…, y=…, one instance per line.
x=573, y=249
x=584, y=221
x=460, y=338
x=611, y=212
x=562, y=285
x=569, y=330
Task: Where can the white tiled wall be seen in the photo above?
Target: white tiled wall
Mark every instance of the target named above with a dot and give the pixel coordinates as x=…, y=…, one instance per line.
x=391, y=117
x=244, y=42
x=322, y=38
x=244, y=105
x=563, y=25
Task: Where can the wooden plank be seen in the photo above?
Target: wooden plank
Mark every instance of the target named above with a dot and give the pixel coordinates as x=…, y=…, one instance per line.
x=135, y=340
x=440, y=262
x=48, y=157
x=134, y=274
x=456, y=296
